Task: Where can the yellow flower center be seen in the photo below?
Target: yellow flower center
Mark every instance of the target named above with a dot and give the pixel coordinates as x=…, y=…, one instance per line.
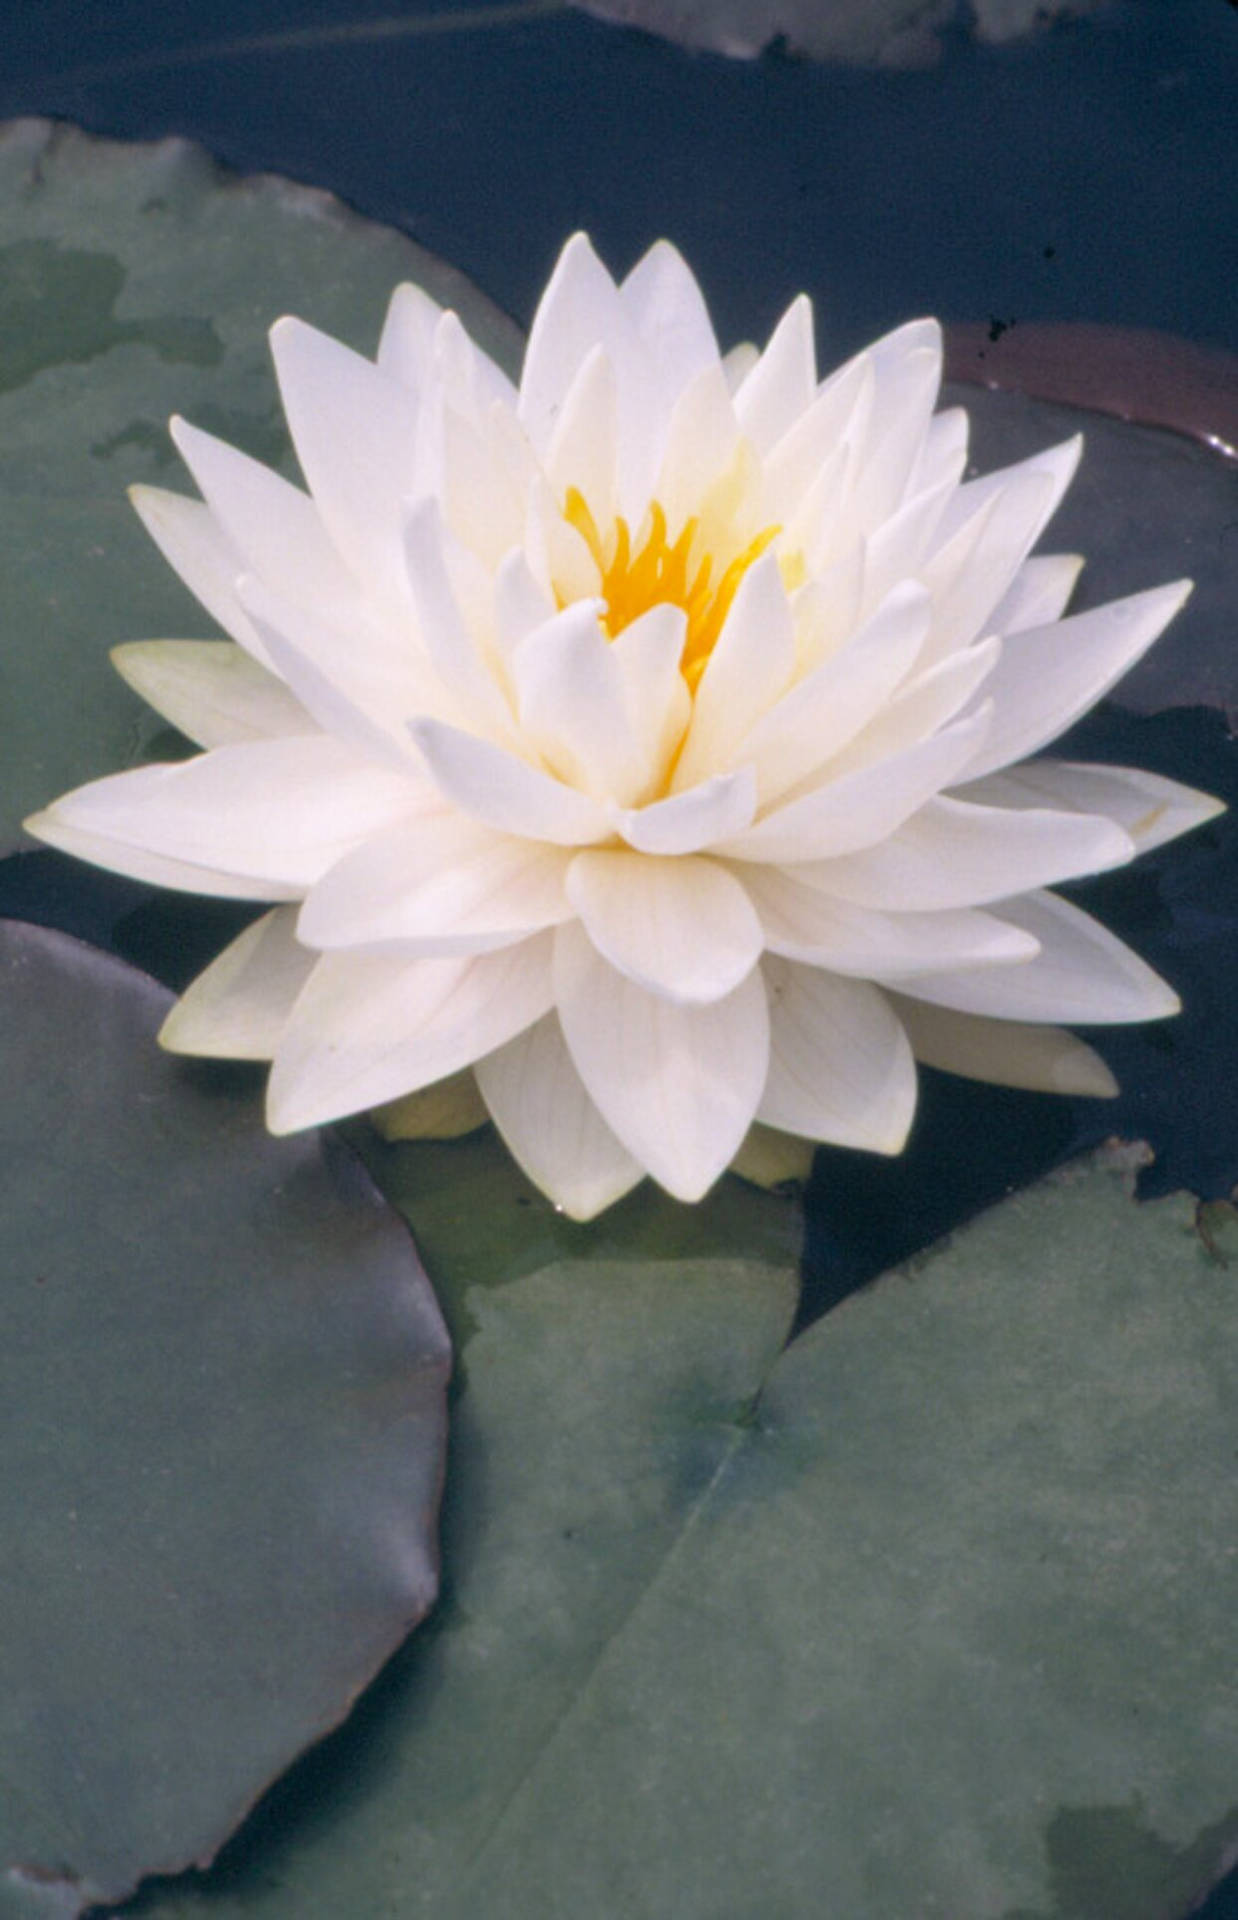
x=654, y=571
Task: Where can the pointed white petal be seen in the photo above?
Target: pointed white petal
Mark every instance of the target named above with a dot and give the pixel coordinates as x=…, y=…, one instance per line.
x=782, y=384
x=803, y=923
x=1147, y=806
x=655, y=697
x=445, y=633
x=683, y=928
x=840, y=1067
x=1082, y=974
x=481, y=503
x=906, y=392
x=346, y=686
x=944, y=453
x=521, y=603
x=702, y=442
x=688, y=822
x=275, y=527
x=444, y=884
x=1048, y=676
x=211, y=689
x=862, y=807
x=506, y=793
x=1038, y=593
x=579, y=311
x=824, y=711
x=139, y=863
x=987, y=531
x=570, y=699
x=584, y=444
x=926, y=702
x=355, y=434
x=406, y=348
x=1004, y=1052
x=194, y=544
x=955, y=853
x=678, y=1085
x=471, y=380
x=893, y=550
x=538, y=1102
x=662, y=299
x=278, y=811
x=237, y=1008
x=368, y=1028
x=835, y=422
x=751, y=664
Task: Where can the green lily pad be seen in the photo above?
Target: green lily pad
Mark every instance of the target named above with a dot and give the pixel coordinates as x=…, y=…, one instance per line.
x=138, y=281
x=222, y=1376
x=930, y=1613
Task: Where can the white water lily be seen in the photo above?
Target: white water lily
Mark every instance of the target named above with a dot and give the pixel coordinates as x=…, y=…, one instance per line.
x=643, y=739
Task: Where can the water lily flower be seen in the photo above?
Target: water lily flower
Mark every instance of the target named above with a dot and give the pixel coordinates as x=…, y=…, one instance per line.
x=647, y=742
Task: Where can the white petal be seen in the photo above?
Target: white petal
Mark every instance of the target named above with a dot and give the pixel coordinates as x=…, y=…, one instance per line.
x=138, y=863
x=824, y=711
x=355, y=434
x=803, y=923
x=406, y=349
x=1048, y=676
x=276, y=811
x=656, y=700
x=237, y=1008
x=442, y=884
x=347, y=686
x=980, y=552
x=275, y=527
x=691, y=821
x=782, y=384
x=954, y=853
x=449, y=643
x=662, y=299
x=1038, y=593
x=471, y=380
x=751, y=664
x=481, y=503
x=679, y=1085
x=211, y=689
x=194, y=544
x=922, y=706
x=944, y=453
x=370, y=1027
x=835, y=422
x=1147, y=806
x=570, y=699
x=579, y=311
x=1082, y=974
x=683, y=928
x=1004, y=1052
x=702, y=442
x=495, y=787
x=521, y=603
x=584, y=444
x=859, y=808
x=893, y=551
x=840, y=1067
x=906, y=392
x=538, y=1102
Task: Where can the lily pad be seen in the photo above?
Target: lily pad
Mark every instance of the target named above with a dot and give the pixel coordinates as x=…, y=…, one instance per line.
x=222, y=1376
x=137, y=281
x=885, y=33
x=930, y=1613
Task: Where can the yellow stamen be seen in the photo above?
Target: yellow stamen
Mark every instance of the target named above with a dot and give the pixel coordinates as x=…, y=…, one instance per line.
x=659, y=571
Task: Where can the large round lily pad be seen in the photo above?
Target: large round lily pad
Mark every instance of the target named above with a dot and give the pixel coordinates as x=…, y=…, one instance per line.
x=138, y=281
x=222, y=1377
x=931, y=1613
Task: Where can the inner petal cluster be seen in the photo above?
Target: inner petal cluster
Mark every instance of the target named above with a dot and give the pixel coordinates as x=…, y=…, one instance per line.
x=655, y=570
